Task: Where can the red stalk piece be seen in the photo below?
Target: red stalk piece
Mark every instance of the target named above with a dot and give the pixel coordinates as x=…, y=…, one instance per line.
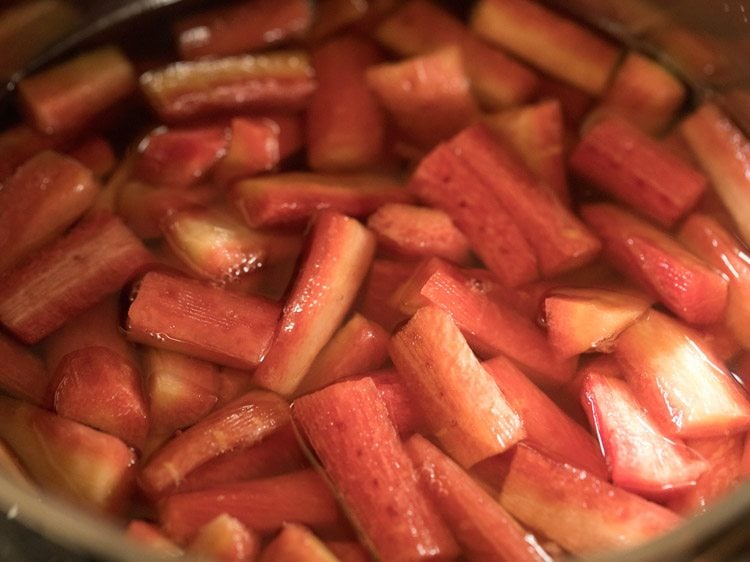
x=561, y=241
x=339, y=254
x=492, y=326
x=444, y=180
x=486, y=532
x=410, y=231
x=263, y=505
x=45, y=195
x=68, y=458
x=67, y=97
x=383, y=279
x=641, y=458
x=291, y=199
x=704, y=236
x=179, y=157
x=347, y=426
x=581, y=320
x=70, y=275
x=99, y=388
x=242, y=422
x=272, y=81
x=406, y=415
x=547, y=427
x=226, y=539
x=242, y=27
x=626, y=163
x=348, y=551
x=188, y=316
x=345, y=123
x=21, y=142
x=22, y=374
x=685, y=284
x=687, y=391
x=437, y=101
x=95, y=153
x=150, y=535
x=296, y=543
x=464, y=408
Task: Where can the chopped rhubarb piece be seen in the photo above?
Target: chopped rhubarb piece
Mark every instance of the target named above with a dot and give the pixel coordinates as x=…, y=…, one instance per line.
x=579, y=511
x=420, y=26
x=181, y=389
x=12, y=469
x=406, y=415
x=645, y=93
x=348, y=551
x=687, y=391
x=180, y=156
x=384, y=277
x=150, y=535
x=359, y=346
x=723, y=152
x=724, y=457
x=683, y=283
x=99, y=388
x=443, y=180
x=281, y=80
x=481, y=526
x=548, y=40
x=574, y=102
x=39, y=201
x=296, y=543
x=345, y=123
x=185, y=315
x=412, y=231
x=70, y=95
x=22, y=374
x=547, y=427
x=641, y=458
x=427, y=95
x=634, y=168
x=465, y=409
x=216, y=245
x=242, y=27
x=335, y=15
x=537, y=133
x=580, y=320
x=258, y=145
x=338, y=257
x=144, y=206
x=68, y=458
x=491, y=325
x=348, y=427
x=277, y=453
x=704, y=236
x=19, y=143
x=243, y=422
x=95, y=153
x=292, y=198
x=559, y=239
x=93, y=260
x=226, y=539
x=263, y=505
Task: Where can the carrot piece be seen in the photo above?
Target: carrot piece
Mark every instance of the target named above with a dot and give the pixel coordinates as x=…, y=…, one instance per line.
x=339, y=255
x=482, y=527
x=89, y=467
x=465, y=409
x=684, y=387
x=296, y=543
x=244, y=421
x=263, y=505
x=347, y=426
x=579, y=511
x=242, y=27
x=445, y=181
x=181, y=314
x=22, y=374
x=280, y=80
x=292, y=198
x=547, y=427
x=93, y=260
x=226, y=539
x=67, y=97
x=345, y=123
x=44, y=196
x=548, y=40
x=624, y=162
x=686, y=285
